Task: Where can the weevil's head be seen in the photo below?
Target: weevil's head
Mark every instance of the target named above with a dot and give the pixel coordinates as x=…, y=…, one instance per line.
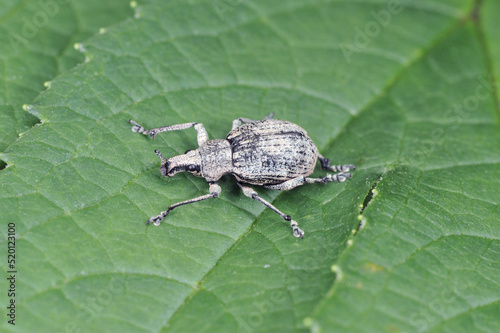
x=190, y=162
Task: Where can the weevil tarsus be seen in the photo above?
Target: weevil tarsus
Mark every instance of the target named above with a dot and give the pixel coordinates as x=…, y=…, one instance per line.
x=325, y=165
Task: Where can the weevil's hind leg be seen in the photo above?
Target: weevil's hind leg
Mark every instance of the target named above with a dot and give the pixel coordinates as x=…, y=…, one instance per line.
x=200, y=129
x=249, y=192
x=289, y=184
x=239, y=121
x=214, y=193
x=325, y=165
x=292, y=183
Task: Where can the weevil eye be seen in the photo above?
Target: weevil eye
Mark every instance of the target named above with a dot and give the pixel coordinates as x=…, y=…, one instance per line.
x=187, y=151
x=192, y=167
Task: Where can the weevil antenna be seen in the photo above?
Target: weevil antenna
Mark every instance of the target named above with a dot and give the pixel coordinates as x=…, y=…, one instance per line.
x=163, y=159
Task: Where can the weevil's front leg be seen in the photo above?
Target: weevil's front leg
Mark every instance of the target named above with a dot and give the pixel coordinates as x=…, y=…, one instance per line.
x=289, y=184
x=214, y=193
x=249, y=192
x=200, y=129
x=237, y=122
x=325, y=165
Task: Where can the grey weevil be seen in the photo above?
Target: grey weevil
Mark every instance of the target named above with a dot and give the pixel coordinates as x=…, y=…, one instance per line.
x=275, y=154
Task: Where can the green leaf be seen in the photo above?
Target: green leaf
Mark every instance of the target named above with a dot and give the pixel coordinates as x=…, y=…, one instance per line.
x=36, y=44
x=412, y=104
x=491, y=46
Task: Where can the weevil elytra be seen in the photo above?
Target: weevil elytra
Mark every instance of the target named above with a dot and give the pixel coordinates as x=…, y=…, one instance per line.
x=275, y=154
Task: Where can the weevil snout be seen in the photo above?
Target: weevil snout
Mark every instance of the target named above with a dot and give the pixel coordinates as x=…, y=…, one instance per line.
x=164, y=163
x=190, y=162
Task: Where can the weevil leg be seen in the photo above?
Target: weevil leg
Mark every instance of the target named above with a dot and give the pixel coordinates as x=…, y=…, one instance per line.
x=214, y=193
x=200, y=129
x=325, y=165
x=249, y=192
x=239, y=121
x=289, y=184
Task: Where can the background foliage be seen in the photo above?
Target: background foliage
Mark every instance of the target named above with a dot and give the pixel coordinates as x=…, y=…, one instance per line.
x=407, y=93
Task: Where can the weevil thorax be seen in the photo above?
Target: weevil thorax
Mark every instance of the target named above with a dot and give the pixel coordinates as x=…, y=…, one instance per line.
x=189, y=162
x=216, y=159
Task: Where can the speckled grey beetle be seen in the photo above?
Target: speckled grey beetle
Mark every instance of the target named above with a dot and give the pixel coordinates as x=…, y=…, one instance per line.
x=272, y=153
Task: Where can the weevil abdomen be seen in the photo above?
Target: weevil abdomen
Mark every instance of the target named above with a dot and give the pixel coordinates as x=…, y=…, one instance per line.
x=271, y=152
